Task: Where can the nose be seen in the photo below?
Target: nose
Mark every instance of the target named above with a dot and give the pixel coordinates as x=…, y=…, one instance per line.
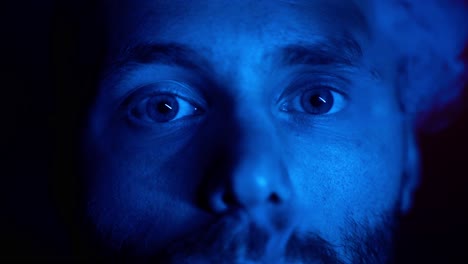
x=257, y=178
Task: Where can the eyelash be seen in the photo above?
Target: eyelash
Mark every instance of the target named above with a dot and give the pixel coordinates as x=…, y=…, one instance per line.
x=294, y=103
x=142, y=105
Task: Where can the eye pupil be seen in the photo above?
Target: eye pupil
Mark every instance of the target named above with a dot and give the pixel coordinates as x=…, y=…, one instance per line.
x=317, y=101
x=162, y=108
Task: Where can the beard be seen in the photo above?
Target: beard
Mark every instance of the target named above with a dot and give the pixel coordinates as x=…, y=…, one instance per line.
x=232, y=241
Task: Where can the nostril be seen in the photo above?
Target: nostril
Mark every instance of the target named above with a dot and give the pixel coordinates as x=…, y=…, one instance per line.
x=228, y=199
x=274, y=198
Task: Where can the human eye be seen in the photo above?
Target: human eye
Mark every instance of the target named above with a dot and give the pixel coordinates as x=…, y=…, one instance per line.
x=315, y=100
x=162, y=102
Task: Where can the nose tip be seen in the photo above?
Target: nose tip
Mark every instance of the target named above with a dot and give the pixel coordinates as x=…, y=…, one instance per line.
x=260, y=181
x=256, y=182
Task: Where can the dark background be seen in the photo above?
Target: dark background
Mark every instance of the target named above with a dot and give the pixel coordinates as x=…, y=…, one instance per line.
x=43, y=100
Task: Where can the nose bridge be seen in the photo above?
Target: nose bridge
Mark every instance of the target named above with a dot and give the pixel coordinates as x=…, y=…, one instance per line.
x=246, y=168
x=257, y=134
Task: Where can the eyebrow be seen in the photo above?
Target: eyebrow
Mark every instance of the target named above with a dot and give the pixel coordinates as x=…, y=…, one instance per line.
x=345, y=52
x=340, y=52
x=172, y=54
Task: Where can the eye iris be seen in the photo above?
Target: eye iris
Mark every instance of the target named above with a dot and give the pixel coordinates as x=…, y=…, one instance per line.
x=162, y=108
x=317, y=101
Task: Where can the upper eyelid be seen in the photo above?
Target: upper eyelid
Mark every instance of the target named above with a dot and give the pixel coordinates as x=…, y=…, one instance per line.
x=118, y=82
x=179, y=89
x=336, y=81
x=308, y=81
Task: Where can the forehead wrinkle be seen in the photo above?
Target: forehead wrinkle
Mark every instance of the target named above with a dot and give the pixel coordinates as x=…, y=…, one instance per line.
x=158, y=12
x=355, y=13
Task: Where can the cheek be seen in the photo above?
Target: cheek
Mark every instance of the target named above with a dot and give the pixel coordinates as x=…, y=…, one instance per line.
x=338, y=178
x=140, y=188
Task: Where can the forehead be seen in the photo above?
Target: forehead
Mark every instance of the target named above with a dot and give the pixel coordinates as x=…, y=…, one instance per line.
x=210, y=21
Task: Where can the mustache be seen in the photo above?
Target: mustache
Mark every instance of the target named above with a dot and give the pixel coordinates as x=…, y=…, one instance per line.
x=232, y=241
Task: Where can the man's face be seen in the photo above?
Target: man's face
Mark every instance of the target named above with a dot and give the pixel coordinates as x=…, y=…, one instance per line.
x=245, y=131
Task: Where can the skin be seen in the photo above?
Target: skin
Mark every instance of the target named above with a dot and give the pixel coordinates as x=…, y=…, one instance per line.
x=249, y=174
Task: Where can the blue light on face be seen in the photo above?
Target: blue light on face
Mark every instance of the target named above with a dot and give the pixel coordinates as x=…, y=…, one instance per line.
x=248, y=121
